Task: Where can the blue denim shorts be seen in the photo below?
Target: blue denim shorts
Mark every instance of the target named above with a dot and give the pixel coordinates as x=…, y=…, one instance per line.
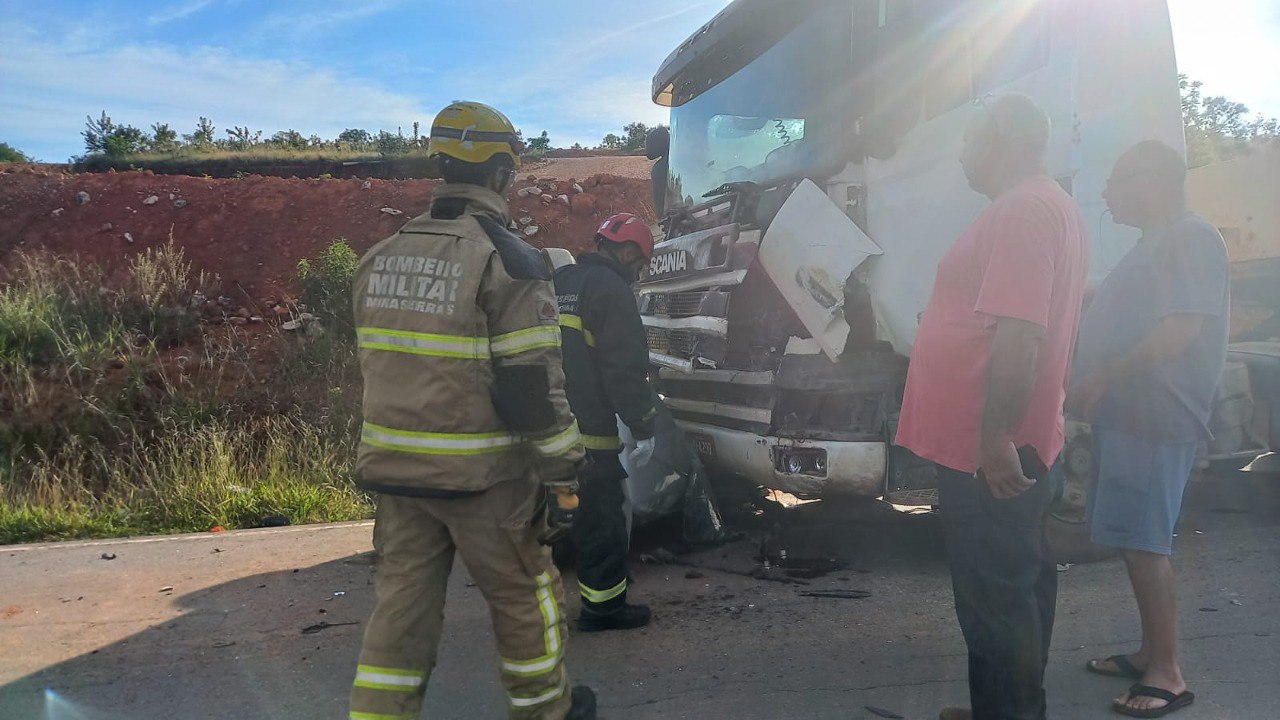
x=1137, y=488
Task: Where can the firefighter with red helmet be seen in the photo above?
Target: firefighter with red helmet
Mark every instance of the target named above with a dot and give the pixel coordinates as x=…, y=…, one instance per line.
x=606, y=364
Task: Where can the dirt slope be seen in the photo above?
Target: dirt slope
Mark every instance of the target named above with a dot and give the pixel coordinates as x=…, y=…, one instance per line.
x=252, y=231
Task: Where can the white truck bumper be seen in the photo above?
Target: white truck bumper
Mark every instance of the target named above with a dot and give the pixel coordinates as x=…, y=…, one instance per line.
x=825, y=468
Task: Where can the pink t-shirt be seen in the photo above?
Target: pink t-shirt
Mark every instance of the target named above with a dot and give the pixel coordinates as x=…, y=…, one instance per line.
x=1025, y=257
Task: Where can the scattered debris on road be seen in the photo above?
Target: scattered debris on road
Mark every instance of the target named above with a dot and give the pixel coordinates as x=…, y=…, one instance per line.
x=322, y=626
x=108, y=556
x=837, y=594
x=883, y=713
x=660, y=556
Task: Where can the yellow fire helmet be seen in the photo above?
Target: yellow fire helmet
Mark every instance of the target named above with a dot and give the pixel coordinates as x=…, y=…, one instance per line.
x=473, y=132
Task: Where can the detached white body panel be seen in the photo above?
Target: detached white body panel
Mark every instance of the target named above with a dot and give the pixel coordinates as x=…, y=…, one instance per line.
x=809, y=251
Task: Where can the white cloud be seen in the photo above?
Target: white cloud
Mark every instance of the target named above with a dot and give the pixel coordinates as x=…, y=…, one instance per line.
x=577, y=91
x=317, y=18
x=50, y=89
x=179, y=12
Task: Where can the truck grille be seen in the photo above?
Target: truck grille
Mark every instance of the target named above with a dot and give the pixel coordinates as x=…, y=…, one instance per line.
x=681, y=304
x=677, y=343
x=712, y=303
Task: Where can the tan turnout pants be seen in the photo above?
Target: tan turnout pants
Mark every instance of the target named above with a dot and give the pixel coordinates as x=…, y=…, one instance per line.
x=495, y=533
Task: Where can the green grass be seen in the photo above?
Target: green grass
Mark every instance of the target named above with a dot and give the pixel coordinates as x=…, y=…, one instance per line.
x=118, y=417
x=189, y=480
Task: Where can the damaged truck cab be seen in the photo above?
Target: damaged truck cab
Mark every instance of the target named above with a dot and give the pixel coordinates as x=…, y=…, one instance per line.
x=813, y=183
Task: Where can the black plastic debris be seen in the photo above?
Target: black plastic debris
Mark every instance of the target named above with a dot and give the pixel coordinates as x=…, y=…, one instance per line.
x=322, y=626
x=837, y=594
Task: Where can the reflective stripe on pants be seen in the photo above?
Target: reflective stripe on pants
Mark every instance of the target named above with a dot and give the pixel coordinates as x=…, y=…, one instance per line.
x=496, y=535
x=601, y=442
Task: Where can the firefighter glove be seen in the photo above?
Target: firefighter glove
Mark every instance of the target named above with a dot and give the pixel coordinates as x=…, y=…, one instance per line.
x=562, y=508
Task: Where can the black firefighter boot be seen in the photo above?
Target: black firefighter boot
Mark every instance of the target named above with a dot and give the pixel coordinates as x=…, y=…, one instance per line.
x=625, y=617
x=584, y=704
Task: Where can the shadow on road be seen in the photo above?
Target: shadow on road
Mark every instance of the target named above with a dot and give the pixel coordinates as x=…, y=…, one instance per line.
x=237, y=650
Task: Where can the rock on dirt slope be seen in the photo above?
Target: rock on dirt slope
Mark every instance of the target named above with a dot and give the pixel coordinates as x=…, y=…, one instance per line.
x=252, y=231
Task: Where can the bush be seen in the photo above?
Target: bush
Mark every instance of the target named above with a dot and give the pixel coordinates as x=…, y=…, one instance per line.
x=101, y=434
x=326, y=287
x=9, y=153
x=391, y=143
x=58, y=311
x=54, y=311
x=191, y=478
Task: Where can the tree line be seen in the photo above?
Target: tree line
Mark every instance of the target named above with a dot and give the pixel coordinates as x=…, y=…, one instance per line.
x=1219, y=129
x=103, y=136
x=1216, y=128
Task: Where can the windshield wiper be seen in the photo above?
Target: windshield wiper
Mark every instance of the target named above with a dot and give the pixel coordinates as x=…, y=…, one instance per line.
x=743, y=187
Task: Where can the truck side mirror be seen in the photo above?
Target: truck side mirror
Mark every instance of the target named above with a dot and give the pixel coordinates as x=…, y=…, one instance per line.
x=656, y=146
x=657, y=143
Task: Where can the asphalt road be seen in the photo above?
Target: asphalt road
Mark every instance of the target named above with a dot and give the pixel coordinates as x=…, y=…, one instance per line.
x=212, y=626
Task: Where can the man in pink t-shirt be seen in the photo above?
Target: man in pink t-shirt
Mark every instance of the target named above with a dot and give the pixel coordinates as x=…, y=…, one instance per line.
x=984, y=400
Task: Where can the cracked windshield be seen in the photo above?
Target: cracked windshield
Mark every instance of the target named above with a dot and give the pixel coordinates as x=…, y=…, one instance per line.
x=735, y=133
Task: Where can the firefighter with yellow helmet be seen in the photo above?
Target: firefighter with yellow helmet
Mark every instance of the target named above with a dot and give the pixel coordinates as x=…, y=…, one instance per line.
x=465, y=420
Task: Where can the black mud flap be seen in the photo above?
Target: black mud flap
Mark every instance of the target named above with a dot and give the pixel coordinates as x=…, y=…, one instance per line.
x=909, y=479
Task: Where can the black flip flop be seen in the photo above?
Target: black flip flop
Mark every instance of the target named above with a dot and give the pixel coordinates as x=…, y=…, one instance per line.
x=1175, y=702
x=1125, y=668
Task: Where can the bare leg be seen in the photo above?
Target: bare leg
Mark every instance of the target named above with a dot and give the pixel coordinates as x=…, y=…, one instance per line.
x=1155, y=588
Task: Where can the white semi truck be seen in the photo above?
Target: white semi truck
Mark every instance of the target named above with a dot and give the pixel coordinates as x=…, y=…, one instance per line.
x=812, y=183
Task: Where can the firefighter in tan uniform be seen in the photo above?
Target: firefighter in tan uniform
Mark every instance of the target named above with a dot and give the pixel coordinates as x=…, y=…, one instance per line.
x=465, y=417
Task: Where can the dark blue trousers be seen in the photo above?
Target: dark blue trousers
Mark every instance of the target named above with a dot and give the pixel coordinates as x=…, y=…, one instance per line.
x=1006, y=587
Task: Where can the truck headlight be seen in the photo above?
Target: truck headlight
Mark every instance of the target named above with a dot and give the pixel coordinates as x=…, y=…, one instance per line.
x=800, y=461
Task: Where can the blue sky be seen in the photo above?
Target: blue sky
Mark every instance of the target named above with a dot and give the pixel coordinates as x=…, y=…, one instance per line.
x=576, y=68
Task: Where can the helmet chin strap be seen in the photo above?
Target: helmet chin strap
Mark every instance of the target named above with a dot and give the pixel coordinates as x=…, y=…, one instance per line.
x=503, y=179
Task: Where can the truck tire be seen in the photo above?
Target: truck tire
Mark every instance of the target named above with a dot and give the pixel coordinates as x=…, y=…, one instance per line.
x=1064, y=529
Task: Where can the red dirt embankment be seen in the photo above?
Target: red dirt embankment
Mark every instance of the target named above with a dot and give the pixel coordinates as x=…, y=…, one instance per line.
x=252, y=231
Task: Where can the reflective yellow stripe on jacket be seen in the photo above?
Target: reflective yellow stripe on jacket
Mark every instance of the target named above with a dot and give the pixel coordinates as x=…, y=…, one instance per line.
x=575, y=322
x=427, y=443
x=543, y=336
x=560, y=443
x=415, y=343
